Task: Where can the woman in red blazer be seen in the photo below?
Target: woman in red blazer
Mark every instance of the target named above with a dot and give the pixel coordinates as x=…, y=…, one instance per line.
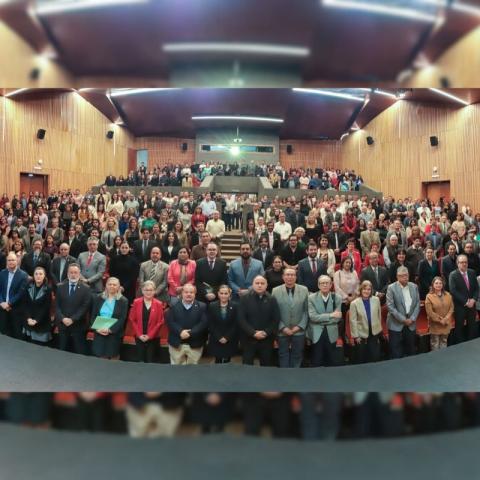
x=146, y=317
x=355, y=254
x=174, y=277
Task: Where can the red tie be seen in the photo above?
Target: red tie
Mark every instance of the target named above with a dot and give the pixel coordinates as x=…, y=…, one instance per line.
x=89, y=261
x=314, y=266
x=467, y=282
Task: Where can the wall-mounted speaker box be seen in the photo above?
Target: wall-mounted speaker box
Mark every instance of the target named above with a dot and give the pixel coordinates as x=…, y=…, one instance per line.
x=110, y=134
x=184, y=146
x=289, y=149
x=434, y=141
x=41, y=133
x=370, y=140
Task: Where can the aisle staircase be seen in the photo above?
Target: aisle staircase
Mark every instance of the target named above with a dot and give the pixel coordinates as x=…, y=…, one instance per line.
x=231, y=245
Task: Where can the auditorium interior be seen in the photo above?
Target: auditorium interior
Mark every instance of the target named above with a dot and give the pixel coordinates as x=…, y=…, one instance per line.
x=326, y=152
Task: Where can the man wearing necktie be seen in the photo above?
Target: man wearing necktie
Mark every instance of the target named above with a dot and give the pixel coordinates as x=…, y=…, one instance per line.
x=92, y=264
x=143, y=247
x=311, y=268
x=465, y=291
x=72, y=305
x=263, y=253
x=36, y=258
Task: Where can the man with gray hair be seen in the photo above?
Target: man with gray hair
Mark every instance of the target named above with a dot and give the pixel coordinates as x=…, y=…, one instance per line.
x=92, y=266
x=403, y=303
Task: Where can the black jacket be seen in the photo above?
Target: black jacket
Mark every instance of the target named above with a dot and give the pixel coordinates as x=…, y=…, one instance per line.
x=28, y=266
x=55, y=270
x=37, y=305
x=277, y=242
x=305, y=275
x=255, y=313
x=458, y=287
x=74, y=306
x=219, y=327
x=120, y=312
x=138, y=250
x=194, y=319
x=214, y=278
x=268, y=257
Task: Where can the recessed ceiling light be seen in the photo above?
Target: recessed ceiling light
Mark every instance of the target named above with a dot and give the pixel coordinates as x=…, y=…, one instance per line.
x=230, y=47
x=449, y=95
x=329, y=93
x=48, y=8
x=381, y=8
x=238, y=117
x=135, y=91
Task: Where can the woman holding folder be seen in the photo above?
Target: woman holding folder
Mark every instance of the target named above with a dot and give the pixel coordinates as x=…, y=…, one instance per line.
x=146, y=317
x=109, y=312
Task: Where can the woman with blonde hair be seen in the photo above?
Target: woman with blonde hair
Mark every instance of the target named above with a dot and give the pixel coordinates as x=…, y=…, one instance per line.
x=439, y=308
x=109, y=304
x=366, y=324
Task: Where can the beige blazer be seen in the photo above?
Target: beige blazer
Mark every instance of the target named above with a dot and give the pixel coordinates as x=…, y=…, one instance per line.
x=359, y=320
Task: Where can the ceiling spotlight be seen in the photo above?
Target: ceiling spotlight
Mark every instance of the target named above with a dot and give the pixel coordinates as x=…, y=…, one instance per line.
x=235, y=150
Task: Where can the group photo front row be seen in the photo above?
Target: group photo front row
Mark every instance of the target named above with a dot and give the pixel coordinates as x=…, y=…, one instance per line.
x=296, y=296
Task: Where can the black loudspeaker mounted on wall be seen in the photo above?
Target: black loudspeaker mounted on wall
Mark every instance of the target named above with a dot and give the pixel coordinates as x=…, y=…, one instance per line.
x=41, y=133
x=370, y=140
x=110, y=134
x=184, y=146
x=289, y=149
x=433, y=141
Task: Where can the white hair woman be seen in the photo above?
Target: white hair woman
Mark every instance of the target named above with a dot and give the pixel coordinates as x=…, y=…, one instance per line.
x=113, y=305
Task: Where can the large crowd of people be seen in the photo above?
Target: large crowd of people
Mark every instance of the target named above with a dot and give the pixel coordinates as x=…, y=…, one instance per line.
x=307, y=416
x=192, y=175
x=318, y=281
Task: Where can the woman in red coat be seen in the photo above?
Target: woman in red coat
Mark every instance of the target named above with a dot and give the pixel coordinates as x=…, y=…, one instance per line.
x=354, y=255
x=146, y=317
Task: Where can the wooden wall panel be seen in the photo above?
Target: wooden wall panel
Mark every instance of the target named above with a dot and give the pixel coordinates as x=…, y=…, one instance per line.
x=163, y=151
x=311, y=153
x=460, y=64
x=75, y=150
x=18, y=59
x=401, y=157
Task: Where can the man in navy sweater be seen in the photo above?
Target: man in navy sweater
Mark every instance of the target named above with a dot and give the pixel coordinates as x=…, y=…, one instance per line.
x=187, y=324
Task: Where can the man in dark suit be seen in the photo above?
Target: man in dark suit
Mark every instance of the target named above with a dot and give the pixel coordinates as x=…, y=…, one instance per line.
x=255, y=214
x=110, y=181
x=79, y=243
x=378, y=276
x=258, y=318
x=311, y=268
x=211, y=272
x=449, y=264
x=143, y=247
x=36, y=258
x=263, y=253
x=454, y=240
x=472, y=257
x=464, y=290
x=274, y=241
x=336, y=240
x=296, y=218
x=59, y=265
x=13, y=282
x=72, y=305
x=187, y=328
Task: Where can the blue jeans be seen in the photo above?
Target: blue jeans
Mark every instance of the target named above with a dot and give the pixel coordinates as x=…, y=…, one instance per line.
x=290, y=351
